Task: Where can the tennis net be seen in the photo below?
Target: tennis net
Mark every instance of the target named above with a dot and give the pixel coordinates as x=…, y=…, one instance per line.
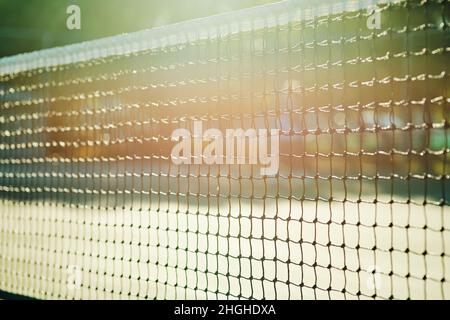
x=93, y=205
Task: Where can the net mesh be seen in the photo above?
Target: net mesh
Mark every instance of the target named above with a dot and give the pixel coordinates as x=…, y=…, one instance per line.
x=93, y=207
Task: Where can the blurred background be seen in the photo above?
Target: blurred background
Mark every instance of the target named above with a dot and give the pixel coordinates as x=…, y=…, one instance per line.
x=282, y=68
x=38, y=24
